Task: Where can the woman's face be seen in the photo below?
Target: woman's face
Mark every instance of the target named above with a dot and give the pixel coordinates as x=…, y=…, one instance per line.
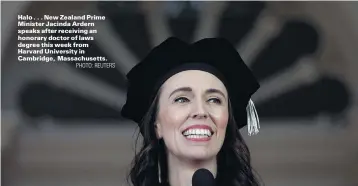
x=193, y=115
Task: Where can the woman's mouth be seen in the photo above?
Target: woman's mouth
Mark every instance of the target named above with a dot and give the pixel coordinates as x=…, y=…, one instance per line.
x=198, y=133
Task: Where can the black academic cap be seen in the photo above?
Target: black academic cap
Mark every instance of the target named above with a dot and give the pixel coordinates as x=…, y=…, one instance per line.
x=215, y=55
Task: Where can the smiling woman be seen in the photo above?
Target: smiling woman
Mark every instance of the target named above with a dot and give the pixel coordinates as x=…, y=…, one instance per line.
x=190, y=100
x=194, y=103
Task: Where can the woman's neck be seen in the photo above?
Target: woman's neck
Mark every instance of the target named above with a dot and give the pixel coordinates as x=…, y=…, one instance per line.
x=181, y=171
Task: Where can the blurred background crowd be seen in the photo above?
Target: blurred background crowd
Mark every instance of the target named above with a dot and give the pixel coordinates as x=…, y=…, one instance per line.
x=61, y=125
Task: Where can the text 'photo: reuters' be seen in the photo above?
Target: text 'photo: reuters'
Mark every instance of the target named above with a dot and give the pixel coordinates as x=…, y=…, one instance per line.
x=179, y=93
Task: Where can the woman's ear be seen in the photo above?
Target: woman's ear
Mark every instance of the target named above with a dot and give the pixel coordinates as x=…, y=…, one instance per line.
x=158, y=130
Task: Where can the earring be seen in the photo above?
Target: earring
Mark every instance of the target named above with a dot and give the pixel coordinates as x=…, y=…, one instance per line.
x=159, y=173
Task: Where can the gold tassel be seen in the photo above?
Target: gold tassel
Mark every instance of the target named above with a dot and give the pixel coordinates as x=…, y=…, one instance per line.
x=253, y=123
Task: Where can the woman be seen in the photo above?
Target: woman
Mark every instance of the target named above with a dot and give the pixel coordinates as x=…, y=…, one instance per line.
x=190, y=102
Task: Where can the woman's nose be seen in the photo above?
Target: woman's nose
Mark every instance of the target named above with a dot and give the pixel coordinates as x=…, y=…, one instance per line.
x=199, y=110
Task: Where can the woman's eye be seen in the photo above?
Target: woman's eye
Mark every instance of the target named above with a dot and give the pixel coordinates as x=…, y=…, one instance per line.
x=215, y=100
x=181, y=100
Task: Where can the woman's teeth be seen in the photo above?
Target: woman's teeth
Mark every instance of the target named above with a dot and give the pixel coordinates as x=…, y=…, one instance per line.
x=197, y=133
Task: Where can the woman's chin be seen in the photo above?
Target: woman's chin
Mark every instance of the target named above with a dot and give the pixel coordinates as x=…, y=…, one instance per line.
x=196, y=155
